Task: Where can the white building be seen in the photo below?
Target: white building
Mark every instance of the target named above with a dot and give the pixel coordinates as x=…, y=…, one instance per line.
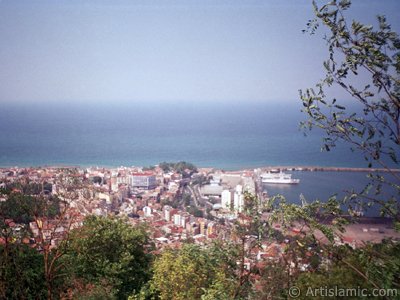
x=238, y=198
x=142, y=180
x=147, y=211
x=184, y=220
x=177, y=219
x=167, y=213
x=226, y=199
x=122, y=179
x=114, y=184
x=106, y=197
x=216, y=180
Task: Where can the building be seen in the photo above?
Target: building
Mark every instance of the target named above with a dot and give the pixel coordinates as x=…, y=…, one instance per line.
x=114, y=184
x=226, y=199
x=142, y=180
x=238, y=199
x=177, y=219
x=167, y=213
x=147, y=211
x=202, y=225
x=211, y=190
x=122, y=179
x=211, y=229
x=185, y=219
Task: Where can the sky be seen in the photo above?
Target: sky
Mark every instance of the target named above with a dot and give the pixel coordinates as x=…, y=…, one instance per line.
x=127, y=51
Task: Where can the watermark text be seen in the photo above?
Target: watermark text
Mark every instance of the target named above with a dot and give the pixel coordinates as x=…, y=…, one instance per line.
x=336, y=291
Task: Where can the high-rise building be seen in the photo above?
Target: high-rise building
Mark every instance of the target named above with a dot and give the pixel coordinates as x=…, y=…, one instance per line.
x=167, y=213
x=177, y=219
x=238, y=199
x=226, y=199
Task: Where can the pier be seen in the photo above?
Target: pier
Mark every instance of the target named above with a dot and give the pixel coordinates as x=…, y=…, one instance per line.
x=327, y=169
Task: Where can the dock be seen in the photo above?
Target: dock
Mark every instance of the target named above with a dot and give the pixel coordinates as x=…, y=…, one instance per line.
x=327, y=169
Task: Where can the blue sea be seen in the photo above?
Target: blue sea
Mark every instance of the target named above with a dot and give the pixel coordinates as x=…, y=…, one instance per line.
x=321, y=185
x=228, y=135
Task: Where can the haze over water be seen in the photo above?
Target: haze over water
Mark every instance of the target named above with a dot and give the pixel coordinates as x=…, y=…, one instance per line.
x=82, y=82
x=228, y=135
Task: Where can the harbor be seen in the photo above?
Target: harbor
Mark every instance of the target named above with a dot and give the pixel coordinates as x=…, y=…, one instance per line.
x=327, y=169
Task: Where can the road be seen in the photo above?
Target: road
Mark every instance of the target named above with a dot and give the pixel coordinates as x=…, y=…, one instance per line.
x=198, y=200
x=196, y=196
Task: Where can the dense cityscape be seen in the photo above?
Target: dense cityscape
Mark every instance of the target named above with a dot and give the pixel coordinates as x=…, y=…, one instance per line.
x=178, y=201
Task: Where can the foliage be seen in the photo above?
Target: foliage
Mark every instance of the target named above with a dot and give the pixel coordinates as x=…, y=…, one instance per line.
x=194, y=211
x=149, y=168
x=338, y=276
x=28, y=188
x=275, y=278
x=200, y=180
x=222, y=287
x=382, y=263
x=22, y=208
x=81, y=290
x=325, y=217
x=21, y=272
x=182, y=167
x=52, y=219
x=187, y=199
x=191, y=273
x=374, y=266
x=365, y=62
x=181, y=274
x=373, y=129
x=109, y=251
x=352, y=50
x=248, y=232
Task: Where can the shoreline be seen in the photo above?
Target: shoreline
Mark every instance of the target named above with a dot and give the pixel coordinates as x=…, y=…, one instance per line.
x=298, y=168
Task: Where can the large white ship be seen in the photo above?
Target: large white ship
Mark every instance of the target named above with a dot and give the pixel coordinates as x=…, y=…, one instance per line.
x=278, y=178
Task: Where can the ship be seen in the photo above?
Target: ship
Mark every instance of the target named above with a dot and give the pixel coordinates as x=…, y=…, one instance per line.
x=280, y=177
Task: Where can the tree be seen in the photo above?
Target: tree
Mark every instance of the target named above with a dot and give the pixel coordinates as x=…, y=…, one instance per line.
x=21, y=207
x=200, y=180
x=182, y=274
x=184, y=168
x=21, y=272
x=193, y=272
x=109, y=252
x=26, y=209
x=365, y=62
x=377, y=266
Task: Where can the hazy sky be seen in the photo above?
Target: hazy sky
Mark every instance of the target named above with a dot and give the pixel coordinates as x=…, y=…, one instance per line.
x=162, y=50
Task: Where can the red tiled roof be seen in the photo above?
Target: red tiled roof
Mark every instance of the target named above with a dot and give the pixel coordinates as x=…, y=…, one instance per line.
x=347, y=239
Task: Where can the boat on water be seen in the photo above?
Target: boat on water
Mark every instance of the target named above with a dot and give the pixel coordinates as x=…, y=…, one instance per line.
x=280, y=177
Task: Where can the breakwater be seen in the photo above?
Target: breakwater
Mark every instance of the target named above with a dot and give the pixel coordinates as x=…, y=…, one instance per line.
x=327, y=169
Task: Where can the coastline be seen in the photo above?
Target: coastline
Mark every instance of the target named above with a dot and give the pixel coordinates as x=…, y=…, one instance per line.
x=371, y=226
x=263, y=168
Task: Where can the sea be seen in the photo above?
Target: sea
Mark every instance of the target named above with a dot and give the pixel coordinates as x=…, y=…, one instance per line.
x=229, y=135
x=223, y=135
